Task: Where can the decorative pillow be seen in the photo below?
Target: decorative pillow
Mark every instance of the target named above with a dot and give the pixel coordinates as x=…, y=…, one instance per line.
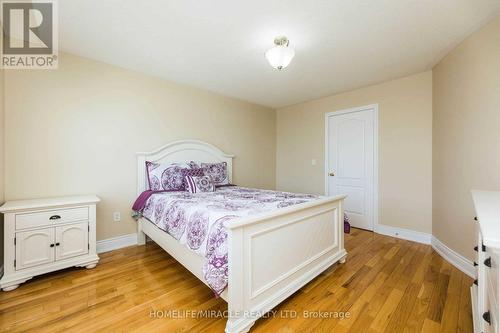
x=218, y=172
x=200, y=184
x=194, y=172
x=166, y=177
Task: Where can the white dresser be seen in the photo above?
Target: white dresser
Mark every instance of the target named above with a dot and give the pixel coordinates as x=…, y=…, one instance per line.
x=45, y=235
x=485, y=291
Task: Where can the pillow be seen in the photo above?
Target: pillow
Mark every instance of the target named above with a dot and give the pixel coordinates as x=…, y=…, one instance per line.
x=218, y=172
x=167, y=177
x=194, y=172
x=200, y=184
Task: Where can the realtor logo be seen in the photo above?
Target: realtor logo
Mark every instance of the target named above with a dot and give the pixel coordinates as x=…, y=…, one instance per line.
x=29, y=34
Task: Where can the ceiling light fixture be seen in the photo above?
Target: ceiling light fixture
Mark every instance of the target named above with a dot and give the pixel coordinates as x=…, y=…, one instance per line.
x=280, y=55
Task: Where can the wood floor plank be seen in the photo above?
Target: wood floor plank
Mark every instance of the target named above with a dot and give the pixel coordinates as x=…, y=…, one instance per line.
x=438, y=299
x=400, y=315
x=420, y=308
x=430, y=326
x=386, y=285
x=449, y=321
x=464, y=315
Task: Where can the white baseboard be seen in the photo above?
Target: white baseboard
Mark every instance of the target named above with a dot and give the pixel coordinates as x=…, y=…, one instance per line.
x=411, y=235
x=454, y=258
x=116, y=243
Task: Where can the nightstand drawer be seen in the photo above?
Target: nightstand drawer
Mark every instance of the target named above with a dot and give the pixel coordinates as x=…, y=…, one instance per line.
x=48, y=218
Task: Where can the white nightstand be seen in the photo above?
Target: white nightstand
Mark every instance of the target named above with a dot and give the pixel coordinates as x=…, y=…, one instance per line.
x=46, y=235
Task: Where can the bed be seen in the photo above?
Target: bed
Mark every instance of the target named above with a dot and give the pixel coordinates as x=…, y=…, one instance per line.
x=270, y=254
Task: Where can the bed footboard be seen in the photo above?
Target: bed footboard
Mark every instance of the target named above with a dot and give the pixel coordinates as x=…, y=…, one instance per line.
x=273, y=255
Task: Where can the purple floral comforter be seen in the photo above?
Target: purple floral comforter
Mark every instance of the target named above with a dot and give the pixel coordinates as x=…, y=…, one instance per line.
x=197, y=220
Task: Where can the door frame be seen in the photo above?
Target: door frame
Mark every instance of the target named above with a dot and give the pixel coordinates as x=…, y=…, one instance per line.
x=374, y=108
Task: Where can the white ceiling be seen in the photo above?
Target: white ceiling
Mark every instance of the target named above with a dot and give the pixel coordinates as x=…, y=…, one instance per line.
x=219, y=45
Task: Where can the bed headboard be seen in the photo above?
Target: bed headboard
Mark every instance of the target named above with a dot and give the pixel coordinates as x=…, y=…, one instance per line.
x=181, y=151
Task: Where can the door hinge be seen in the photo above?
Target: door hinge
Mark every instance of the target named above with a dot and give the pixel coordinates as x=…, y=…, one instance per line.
x=88, y=246
x=88, y=228
x=14, y=262
x=14, y=240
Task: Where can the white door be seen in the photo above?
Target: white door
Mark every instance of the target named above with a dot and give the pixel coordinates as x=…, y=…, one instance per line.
x=34, y=248
x=72, y=240
x=350, y=163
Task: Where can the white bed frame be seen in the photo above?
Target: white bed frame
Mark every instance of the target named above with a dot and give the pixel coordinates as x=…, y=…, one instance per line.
x=271, y=255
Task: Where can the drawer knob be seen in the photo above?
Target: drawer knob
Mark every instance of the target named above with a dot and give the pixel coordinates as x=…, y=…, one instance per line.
x=475, y=248
x=475, y=264
x=55, y=217
x=487, y=262
x=486, y=317
x=475, y=218
x=475, y=282
x=57, y=244
x=51, y=245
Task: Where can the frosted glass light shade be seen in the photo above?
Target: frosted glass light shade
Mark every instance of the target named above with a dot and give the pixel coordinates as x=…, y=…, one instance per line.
x=280, y=56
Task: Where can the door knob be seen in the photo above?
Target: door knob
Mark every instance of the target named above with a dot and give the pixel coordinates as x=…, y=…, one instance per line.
x=331, y=174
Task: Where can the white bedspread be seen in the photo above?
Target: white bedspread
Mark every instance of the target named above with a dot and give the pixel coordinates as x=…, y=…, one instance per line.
x=197, y=220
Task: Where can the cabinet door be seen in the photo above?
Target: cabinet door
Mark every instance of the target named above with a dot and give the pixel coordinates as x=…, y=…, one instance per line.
x=72, y=240
x=34, y=248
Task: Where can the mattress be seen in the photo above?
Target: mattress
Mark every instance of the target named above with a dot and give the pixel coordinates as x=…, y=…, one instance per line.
x=198, y=220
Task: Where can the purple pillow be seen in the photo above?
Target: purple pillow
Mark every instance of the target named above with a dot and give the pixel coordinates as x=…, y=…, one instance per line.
x=200, y=184
x=195, y=172
x=167, y=177
x=218, y=172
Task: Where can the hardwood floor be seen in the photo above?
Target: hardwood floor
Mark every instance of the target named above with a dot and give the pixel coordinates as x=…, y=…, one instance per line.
x=386, y=285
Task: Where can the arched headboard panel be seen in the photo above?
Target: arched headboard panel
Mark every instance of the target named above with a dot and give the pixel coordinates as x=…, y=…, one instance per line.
x=181, y=151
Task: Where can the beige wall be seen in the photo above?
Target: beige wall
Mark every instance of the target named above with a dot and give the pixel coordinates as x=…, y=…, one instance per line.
x=405, y=147
x=466, y=134
x=76, y=130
